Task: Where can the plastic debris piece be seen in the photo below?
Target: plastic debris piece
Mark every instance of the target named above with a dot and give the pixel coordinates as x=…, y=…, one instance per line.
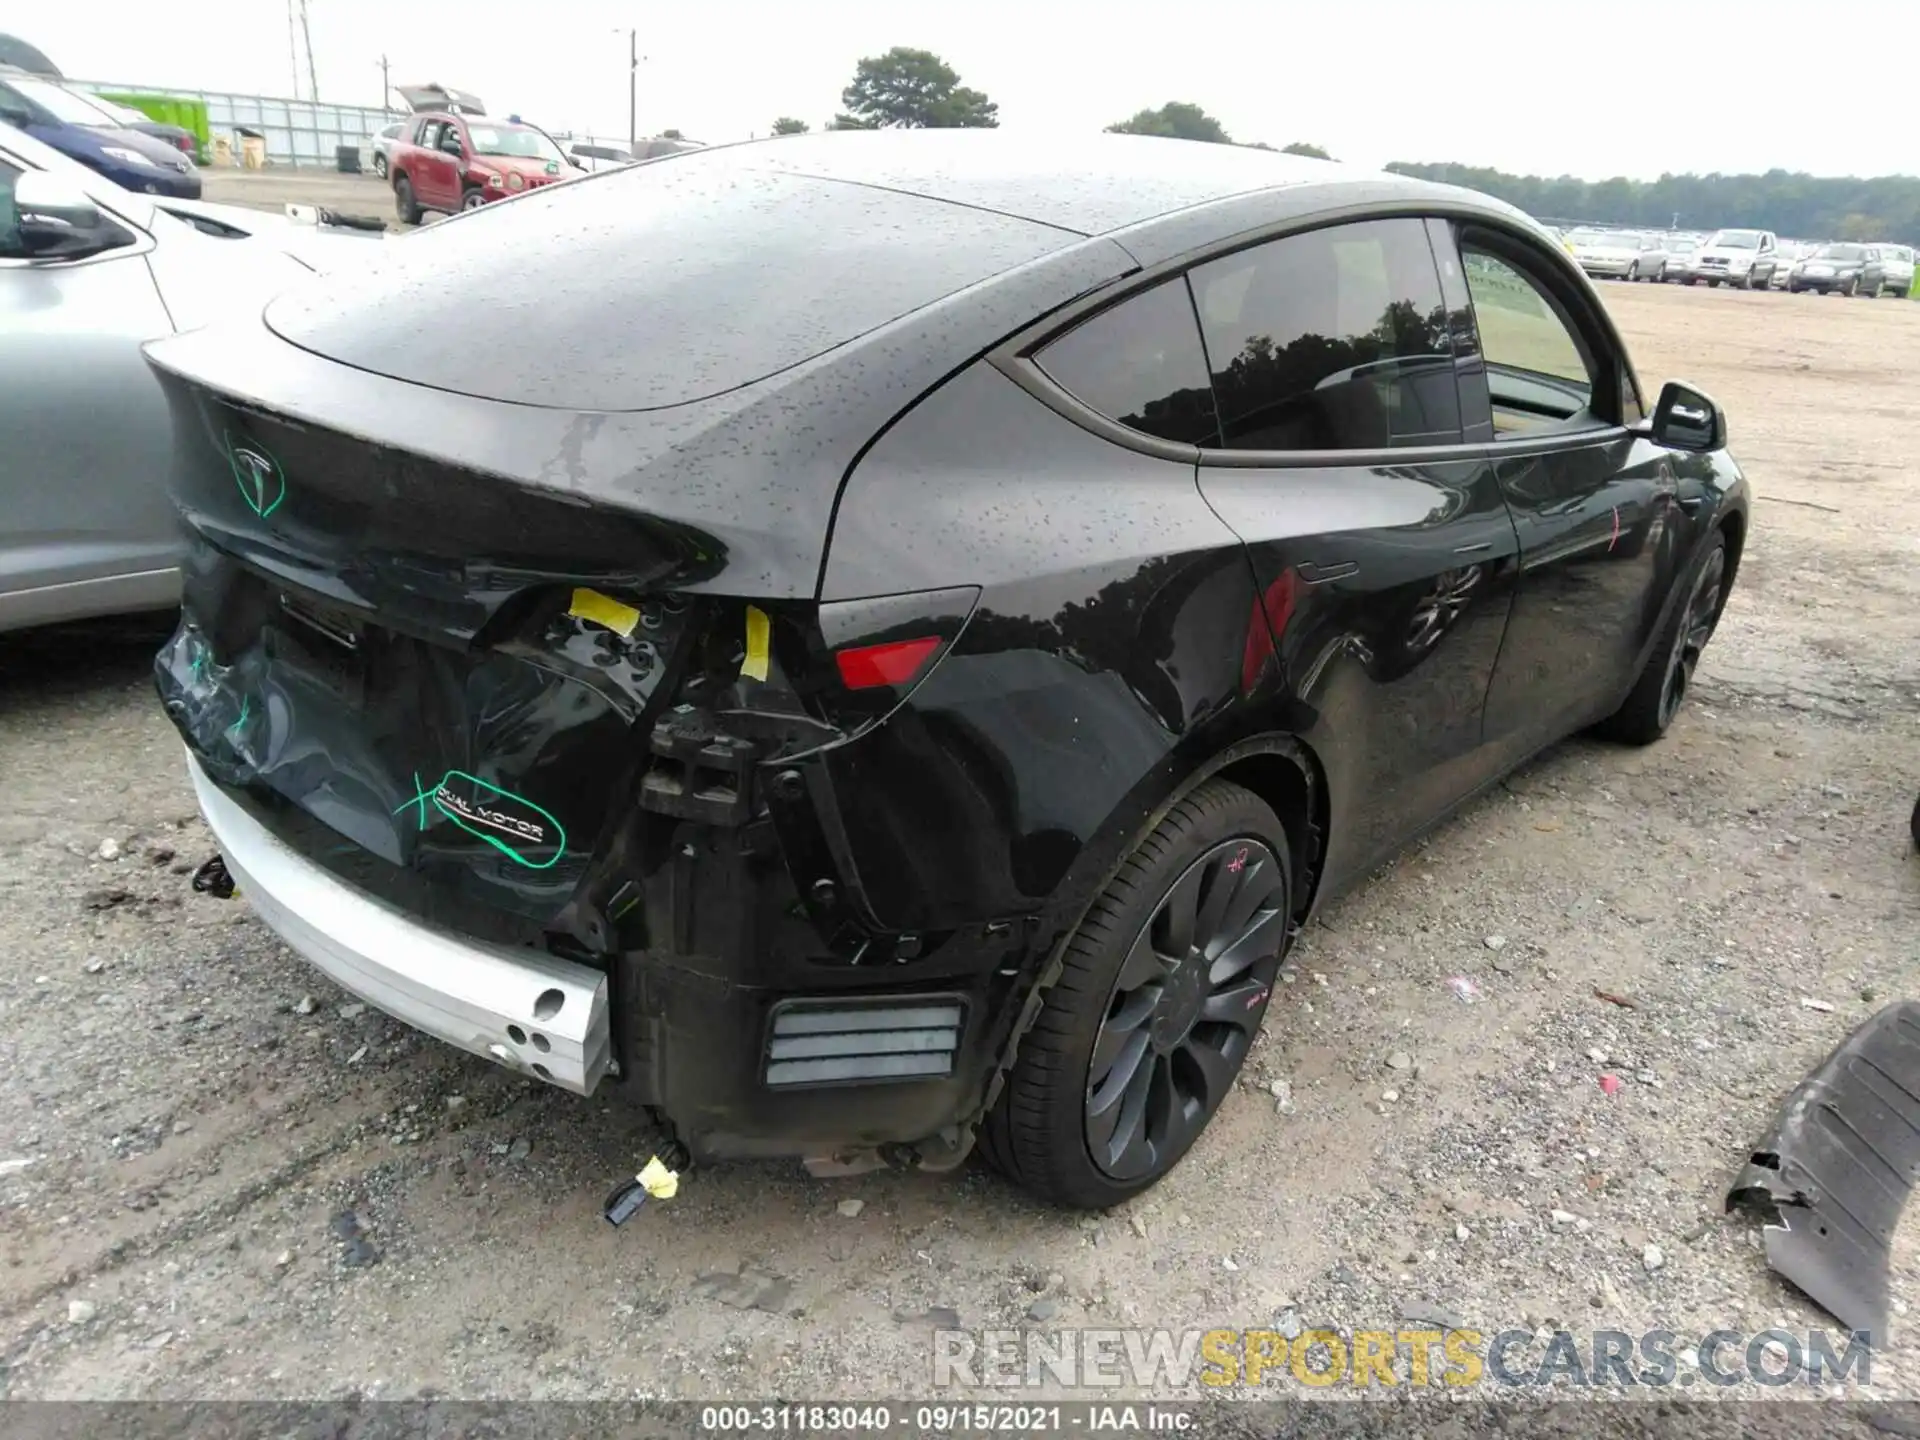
x=604, y=610
x=654, y=1182
x=1821, y=1005
x=759, y=644
x=1610, y=1084
x=1463, y=986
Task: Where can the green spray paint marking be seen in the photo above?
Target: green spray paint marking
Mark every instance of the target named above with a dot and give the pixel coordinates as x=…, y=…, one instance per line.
x=263, y=484
x=420, y=798
x=491, y=819
x=246, y=707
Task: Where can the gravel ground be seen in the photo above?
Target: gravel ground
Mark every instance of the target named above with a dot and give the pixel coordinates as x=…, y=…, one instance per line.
x=221, y=1178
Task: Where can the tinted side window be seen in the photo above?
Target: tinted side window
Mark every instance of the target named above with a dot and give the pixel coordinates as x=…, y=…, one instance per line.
x=1332, y=340
x=1140, y=363
x=1537, y=369
x=427, y=134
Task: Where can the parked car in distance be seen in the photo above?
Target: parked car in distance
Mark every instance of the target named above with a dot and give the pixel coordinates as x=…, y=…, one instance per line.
x=994, y=683
x=1840, y=269
x=1747, y=258
x=1680, y=252
x=77, y=126
x=178, y=136
x=380, y=146
x=89, y=271
x=593, y=155
x=451, y=162
x=1896, y=264
x=1608, y=254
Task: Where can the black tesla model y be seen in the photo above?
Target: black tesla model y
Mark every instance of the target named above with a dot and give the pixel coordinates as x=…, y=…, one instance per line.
x=867, y=642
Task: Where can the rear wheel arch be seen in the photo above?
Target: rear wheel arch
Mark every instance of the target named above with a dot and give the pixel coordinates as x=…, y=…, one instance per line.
x=1734, y=527
x=1279, y=769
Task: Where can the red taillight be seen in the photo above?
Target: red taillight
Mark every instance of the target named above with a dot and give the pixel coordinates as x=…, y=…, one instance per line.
x=897, y=662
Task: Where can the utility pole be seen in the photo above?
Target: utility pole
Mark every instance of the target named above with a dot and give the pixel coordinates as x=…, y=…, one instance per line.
x=313, y=79
x=386, y=86
x=293, y=47
x=633, y=89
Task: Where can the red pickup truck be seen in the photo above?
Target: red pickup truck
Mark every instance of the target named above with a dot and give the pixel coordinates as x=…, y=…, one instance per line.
x=450, y=162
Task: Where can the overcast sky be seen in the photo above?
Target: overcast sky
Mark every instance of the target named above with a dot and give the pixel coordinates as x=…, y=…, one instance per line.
x=1595, y=89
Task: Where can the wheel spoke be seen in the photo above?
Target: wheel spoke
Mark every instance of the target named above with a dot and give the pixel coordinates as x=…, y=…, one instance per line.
x=1167, y=1111
x=1211, y=1068
x=1260, y=884
x=1121, y=1027
x=1237, y=1005
x=1111, y=1084
x=1126, y=1144
x=1144, y=965
x=1258, y=941
x=1223, y=883
x=1178, y=913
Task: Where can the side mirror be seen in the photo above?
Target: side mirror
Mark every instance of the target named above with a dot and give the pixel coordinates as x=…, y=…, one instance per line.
x=1687, y=419
x=57, y=219
x=15, y=116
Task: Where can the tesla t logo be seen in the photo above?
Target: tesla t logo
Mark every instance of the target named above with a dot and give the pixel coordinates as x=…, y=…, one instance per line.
x=258, y=475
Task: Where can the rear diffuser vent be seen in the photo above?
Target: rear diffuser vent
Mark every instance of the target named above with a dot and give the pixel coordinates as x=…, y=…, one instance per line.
x=837, y=1042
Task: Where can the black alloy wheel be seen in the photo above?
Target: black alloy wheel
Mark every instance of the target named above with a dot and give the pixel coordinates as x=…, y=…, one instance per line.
x=1663, y=685
x=1160, y=993
x=1184, y=1009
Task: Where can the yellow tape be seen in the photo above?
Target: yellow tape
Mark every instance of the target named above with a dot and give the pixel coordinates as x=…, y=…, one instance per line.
x=658, y=1181
x=604, y=610
x=759, y=644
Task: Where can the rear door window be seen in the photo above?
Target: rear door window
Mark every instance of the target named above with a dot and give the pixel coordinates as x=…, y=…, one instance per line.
x=1140, y=363
x=1336, y=339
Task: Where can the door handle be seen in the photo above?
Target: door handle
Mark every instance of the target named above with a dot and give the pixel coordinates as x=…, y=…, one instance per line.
x=1480, y=549
x=1690, y=503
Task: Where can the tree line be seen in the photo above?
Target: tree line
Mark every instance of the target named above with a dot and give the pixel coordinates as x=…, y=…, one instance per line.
x=916, y=89
x=1805, y=207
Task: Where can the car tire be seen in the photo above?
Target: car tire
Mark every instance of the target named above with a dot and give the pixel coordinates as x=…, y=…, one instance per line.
x=380, y=166
x=404, y=205
x=1633, y=272
x=1913, y=824
x=1850, y=289
x=1660, y=275
x=472, y=198
x=1713, y=284
x=1662, y=688
x=1120, y=1001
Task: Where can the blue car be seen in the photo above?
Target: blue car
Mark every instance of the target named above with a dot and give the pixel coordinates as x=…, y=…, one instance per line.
x=80, y=127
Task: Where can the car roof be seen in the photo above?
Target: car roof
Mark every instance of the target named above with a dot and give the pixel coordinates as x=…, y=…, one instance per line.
x=1091, y=184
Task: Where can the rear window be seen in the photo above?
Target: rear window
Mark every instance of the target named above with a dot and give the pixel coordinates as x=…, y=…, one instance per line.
x=651, y=286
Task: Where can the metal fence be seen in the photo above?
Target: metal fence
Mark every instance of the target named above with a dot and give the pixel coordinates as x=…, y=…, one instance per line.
x=297, y=132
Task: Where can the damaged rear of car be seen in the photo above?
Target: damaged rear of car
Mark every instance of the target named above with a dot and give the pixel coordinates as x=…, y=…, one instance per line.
x=507, y=687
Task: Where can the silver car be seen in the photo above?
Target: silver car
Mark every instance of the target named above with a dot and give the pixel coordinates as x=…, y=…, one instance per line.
x=1897, y=262
x=381, y=145
x=88, y=273
x=1679, y=262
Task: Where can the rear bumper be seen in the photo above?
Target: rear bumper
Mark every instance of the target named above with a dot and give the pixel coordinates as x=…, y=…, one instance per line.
x=530, y=1012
